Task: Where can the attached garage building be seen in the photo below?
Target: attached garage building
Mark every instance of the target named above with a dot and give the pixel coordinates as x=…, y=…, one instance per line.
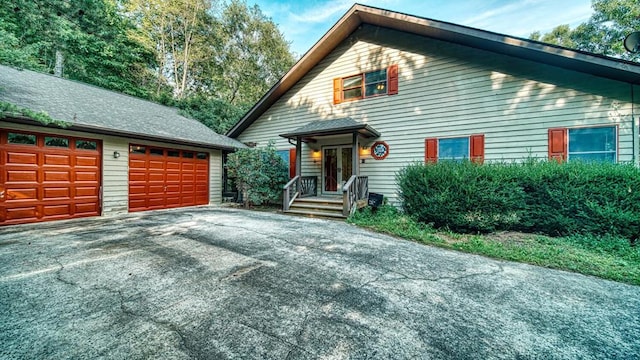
x=117, y=153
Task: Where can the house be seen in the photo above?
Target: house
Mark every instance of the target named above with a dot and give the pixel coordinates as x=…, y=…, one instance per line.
x=117, y=154
x=383, y=89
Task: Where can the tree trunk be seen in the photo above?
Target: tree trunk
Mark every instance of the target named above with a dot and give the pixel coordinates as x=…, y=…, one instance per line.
x=59, y=68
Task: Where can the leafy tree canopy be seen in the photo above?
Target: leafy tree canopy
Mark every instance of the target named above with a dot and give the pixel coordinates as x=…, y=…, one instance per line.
x=212, y=60
x=603, y=33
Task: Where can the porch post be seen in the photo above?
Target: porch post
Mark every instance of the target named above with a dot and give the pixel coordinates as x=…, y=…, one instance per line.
x=298, y=156
x=355, y=156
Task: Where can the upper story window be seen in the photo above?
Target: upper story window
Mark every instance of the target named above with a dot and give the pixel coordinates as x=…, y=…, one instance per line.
x=364, y=85
x=584, y=144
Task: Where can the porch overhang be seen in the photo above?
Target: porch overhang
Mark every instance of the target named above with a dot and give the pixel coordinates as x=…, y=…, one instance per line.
x=342, y=126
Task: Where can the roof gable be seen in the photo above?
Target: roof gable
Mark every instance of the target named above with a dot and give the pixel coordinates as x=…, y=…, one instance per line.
x=93, y=109
x=580, y=61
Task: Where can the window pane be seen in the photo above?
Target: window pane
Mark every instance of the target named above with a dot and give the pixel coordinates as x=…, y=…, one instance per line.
x=56, y=141
x=187, y=154
x=592, y=139
x=375, y=76
x=26, y=139
x=594, y=157
x=157, y=152
x=453, y=149
x=201, y=156
x=86, y=145
x=352, y=81
x=173, y=153
x=136, y=149
x=284, y=154
x=593, y=144
x=353, y=94
x=376, y=89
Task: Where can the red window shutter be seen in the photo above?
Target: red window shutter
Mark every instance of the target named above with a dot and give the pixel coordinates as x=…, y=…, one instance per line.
x=430, y=151
x=392, y=79
x=292, y=163
x=337, y=90
x=477, y=148
x=558, y=144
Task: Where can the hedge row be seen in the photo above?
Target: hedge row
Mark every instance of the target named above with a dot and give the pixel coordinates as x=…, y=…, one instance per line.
x=533, y=196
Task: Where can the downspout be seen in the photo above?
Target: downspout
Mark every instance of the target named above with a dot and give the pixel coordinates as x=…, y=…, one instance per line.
x=636, y=128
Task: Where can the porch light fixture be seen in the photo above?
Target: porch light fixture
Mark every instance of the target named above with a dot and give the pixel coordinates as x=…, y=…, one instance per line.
x=315, y=155
x=116, y=154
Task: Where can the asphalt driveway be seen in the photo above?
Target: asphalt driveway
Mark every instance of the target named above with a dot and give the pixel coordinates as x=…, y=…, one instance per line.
x=216, y=283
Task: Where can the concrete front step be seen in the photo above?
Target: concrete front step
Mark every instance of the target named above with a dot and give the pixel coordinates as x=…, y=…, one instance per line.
x=314, y=200
x=330, y=207
x=316, y=213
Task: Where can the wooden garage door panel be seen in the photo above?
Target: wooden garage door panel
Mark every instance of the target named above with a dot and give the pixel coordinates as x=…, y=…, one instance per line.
x=172, y=165
x=28, y=214
x=56, y=210
x=41, y=181
x=173, y=177
x=89, y=161
x=85, y=191
x=156, y=164
x=135, y=176
x=154, y=176
x=169, y=179
x=57, y=193
x=21, y=176
x=55, y=159
x=83, y=176
x=21, y=158
x=137, y=189
x=187, y=166
x=85, y=209
x=137, y=163
x=59, y=176
x=21, y=194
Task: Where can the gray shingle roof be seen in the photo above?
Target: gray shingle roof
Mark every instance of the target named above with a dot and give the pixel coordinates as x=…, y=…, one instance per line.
x=332, y=127
x=90, y=108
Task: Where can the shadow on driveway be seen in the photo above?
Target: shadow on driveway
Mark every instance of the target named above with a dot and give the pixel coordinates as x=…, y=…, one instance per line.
x=205, y=283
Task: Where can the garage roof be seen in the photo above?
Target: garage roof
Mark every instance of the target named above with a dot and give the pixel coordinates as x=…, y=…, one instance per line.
x=92, y=109
x=575, y=60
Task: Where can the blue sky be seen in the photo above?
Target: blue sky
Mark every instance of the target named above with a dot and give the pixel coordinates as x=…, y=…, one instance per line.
x=304, y=22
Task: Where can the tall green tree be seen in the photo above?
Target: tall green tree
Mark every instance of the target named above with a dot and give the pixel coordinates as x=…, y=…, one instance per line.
x=86, y=40
x=178, y=31
x=251, y=54
x=603, y=33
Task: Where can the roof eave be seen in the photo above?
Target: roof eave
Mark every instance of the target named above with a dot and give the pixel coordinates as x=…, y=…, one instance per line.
x=522, y=48
x=104, y=131
x=364, y=130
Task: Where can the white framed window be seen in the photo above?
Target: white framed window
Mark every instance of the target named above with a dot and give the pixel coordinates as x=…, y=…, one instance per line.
x=598, y=144
x=456, y=149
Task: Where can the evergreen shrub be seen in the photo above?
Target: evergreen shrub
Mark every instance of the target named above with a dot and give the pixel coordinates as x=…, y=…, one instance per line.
x=533, y=196
x=259, y=173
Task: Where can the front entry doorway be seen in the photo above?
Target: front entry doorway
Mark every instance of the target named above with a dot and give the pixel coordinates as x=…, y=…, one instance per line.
x=337, y=168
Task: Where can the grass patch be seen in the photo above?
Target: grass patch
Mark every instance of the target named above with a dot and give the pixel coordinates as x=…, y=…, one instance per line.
x=607, y=257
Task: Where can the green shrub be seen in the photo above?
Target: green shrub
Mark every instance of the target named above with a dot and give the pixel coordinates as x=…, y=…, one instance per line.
x=533, y=196
x=259, y=174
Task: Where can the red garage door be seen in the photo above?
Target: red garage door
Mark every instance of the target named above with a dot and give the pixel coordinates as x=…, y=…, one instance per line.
x=48, y=177
x=164, y=178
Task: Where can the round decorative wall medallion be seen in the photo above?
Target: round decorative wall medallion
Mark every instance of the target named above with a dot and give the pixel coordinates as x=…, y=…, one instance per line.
x=379, y=150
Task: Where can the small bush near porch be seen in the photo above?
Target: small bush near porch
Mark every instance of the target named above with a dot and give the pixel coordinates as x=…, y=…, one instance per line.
x=542, y=197
x=259, y=173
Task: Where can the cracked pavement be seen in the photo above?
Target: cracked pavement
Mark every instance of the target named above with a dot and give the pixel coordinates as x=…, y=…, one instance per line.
x=220, y=283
